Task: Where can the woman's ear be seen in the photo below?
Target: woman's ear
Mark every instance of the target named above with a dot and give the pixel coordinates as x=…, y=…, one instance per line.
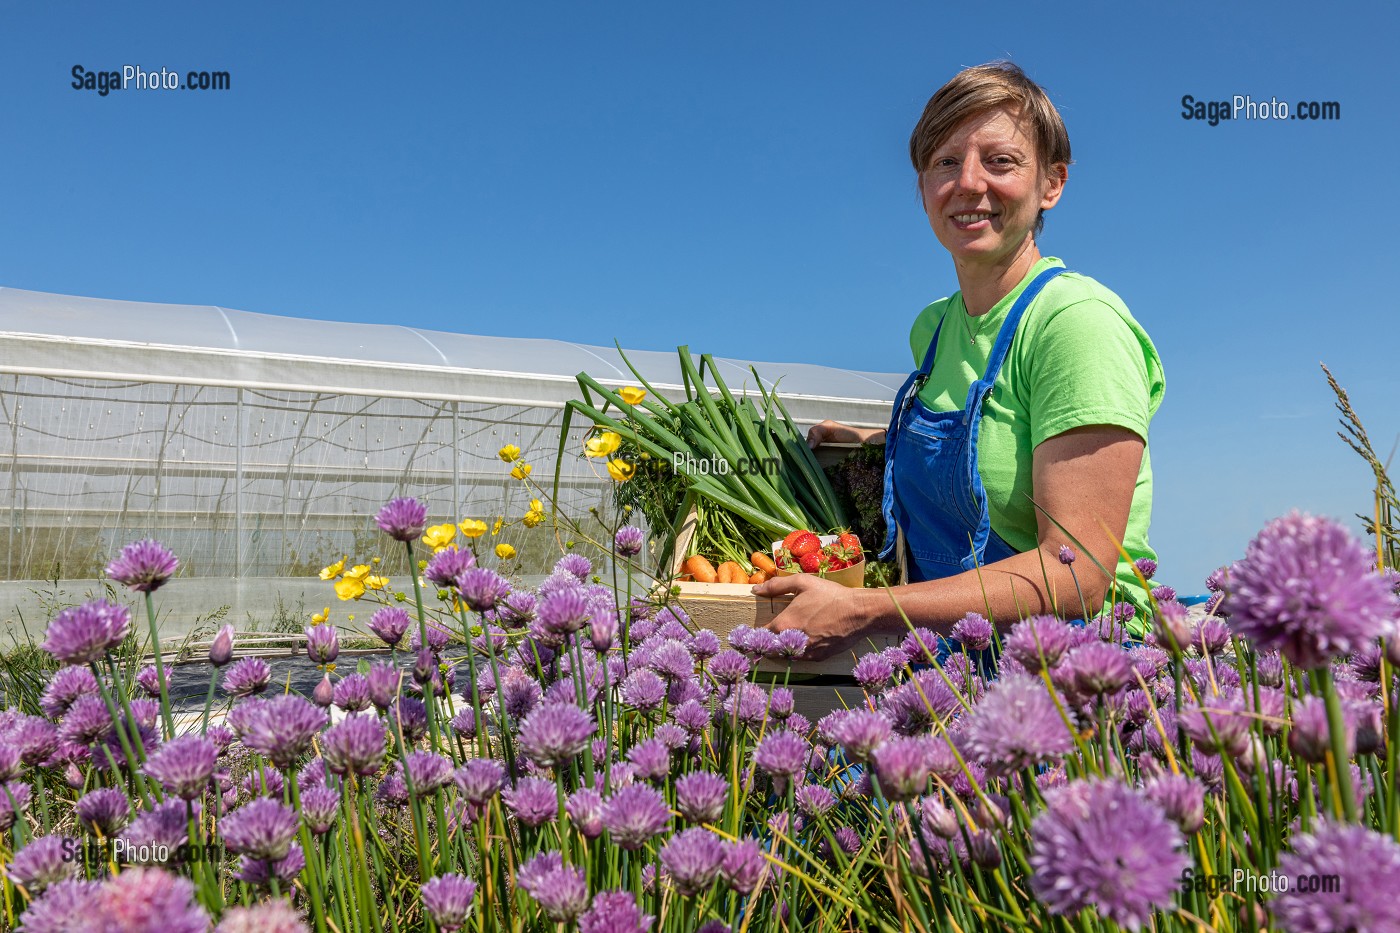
x=1055, y=185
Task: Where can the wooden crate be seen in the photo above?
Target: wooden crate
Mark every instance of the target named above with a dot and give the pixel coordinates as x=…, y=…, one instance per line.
x=723, y=607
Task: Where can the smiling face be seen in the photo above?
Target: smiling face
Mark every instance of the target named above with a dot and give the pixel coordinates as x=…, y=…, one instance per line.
x=983, y=189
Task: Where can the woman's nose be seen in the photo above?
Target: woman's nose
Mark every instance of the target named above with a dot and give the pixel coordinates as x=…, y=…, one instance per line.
x=971, y=177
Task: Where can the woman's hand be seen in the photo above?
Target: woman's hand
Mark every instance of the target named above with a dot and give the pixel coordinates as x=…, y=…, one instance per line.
x=830, y=614
x=834, y=432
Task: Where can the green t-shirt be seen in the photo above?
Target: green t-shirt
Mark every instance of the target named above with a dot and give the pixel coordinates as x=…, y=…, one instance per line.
x=1078, y=359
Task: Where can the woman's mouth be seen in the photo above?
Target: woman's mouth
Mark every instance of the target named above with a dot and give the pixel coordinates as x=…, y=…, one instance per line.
x=973, y=220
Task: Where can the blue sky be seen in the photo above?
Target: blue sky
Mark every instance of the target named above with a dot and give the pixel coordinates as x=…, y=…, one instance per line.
x=734, y=176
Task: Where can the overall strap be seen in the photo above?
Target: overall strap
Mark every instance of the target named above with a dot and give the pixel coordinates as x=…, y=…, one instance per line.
x=983, y=386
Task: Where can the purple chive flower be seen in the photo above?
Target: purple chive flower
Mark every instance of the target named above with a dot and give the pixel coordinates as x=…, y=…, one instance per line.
x=1017, y=726
x=792, y=644
x=585, y=810
x=748, y=703
x=729, y=667
x=873, y=671
x=782, y=754
x=84, y=634
x=973, y=632
x=42, y=863
x=66, y=685
x=1097, y=669
x=184, y=765
x=1310, y=737
x=815, y=800
x=143, y=566
x=409, y=717
x=1039, y=636
x=693, y=858
x=1172, y=625
x=104, y=810
x=1146, y=566
x=221, y=648
x=447, y=899
x=260, y=872
x=703, y=645
x=519, y=693
x=628, y=541
x=389, y=625
x=247, y=676
x=902, y=766
x=1100, y=844
x=634, y=814
x=517, y=609
x=10, y=766
x=533, y=801
x=322, y=644
x=392, y=790
x=561, y=890
x=671, y=659
x=165, y=824
x=35, y=737
x=1217, y=725
x=150, y=899
x=319, y=806
x=576, y=565
x=602, y=630
x=438, y=637
x=1067, y=554
x=701, y=796
x=260, y=829
x=354, y=745
x=480, y=779
x=148, y=680
x=280, y=728
x=1308, y=588
x=1163, y=594
x=564, y=611
x=781, y=702
x=323, y=694
x=1211, y=636
x=1362, y=861
x=14, y=798
x=447, y=565
x=1181, y=797
x=425, y=772
x=643, y=690
x=273, y=916
x=691, y=716
x=383, y=680
x=481, y=588
x=651, y=759
x=744, y=865
x=402, y=519
x=352, y=694
x=858, y=731
x=919, y=647
x=64, y=907
x=614, y=912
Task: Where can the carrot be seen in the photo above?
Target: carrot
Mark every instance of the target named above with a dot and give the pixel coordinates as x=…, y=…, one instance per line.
x=731, y=572
x=762, y=561
x=759, y=576
x=701, y=569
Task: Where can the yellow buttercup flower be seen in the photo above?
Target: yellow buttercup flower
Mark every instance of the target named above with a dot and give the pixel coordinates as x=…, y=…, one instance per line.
x=509, y=453
x=349, y=588
x=521, y=470
x=621, y=470
x=439, y=536
x=602, y=445
x=333, y=571
x=376, y=583
x=505, y=551
x=358, y=572
x=536, y=505
x=472, y=528
x=632, y=395
x=532, y=518
x=496, y=528
x=321, y=616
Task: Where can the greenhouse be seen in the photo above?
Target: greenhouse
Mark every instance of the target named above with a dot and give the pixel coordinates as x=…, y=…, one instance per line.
x=258, y=447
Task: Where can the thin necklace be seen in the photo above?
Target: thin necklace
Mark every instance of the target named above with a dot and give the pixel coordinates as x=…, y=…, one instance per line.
x=971, y=333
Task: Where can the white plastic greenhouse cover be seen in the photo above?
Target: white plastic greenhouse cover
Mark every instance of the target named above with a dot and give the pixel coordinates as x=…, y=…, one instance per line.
x=63, y=335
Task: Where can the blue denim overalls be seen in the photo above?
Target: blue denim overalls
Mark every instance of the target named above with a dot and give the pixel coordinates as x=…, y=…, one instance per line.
x=933, y=490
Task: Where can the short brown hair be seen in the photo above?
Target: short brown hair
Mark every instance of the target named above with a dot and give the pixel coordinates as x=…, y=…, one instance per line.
x=976, y=90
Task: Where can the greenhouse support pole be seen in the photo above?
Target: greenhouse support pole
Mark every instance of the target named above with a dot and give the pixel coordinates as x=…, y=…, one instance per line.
x=238, y=488
x=456, y=465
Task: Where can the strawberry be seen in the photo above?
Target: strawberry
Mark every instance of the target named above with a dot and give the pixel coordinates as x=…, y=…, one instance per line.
x=851, y=543
x=836, y=551
x=837, y=563
x=784, y=559
x=813, y=562
x=792, y=537
x=803, y=543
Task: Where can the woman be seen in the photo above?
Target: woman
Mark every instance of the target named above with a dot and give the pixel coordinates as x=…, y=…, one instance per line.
x=1024, y=427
